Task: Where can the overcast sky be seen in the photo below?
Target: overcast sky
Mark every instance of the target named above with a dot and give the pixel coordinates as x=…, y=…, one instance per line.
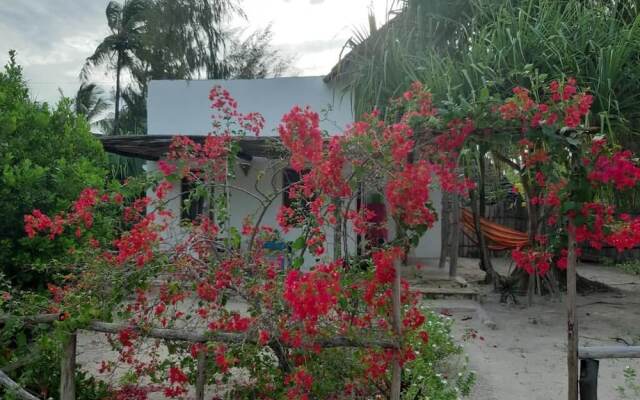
x=54, y=37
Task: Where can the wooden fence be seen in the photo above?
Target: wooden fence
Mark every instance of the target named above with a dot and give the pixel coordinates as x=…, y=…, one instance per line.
x=68, y=362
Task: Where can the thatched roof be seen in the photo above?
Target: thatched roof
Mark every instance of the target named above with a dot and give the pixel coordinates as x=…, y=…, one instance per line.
x=372, y=41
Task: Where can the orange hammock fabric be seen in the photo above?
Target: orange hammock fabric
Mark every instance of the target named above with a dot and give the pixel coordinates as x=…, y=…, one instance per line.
x=498, y=237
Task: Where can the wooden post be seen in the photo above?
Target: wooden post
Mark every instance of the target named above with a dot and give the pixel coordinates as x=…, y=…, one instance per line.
x=454, y=245
x=201, y=379
x=68, y=369
x=444, y=230
x=396, y=306
x=589, y=379
x=572, y=321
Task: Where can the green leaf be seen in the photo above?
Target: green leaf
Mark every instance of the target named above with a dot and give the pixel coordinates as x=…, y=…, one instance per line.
x=484, y=94
x=568, y=206
x=298, y=244
x=297, y=262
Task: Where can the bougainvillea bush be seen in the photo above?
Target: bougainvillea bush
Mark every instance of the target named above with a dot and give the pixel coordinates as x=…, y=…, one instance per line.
x=570, y=173
x=276, y=329
x=332, y=330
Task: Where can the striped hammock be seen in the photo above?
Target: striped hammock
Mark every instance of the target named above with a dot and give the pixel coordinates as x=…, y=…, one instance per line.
x=498, y=237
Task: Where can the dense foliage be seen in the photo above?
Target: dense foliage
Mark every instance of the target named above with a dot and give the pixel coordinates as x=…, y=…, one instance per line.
x=464, y=50
x=458, y=47
x=283, y=344
x=47, y=156
x=337, y=329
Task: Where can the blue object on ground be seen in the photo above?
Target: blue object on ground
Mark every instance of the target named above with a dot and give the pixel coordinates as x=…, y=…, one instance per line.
x=275, y=245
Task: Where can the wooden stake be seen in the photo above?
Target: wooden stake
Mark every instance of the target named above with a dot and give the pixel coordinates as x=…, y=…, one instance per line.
x=396, y=307
x=68, y=369
x=572, y=321
x=455, y=235
x=201, y=379
x=444, y=230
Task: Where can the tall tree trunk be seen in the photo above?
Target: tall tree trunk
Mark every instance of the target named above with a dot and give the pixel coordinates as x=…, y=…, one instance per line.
x=477, y=197
x=572, y=320
x=117, y=105
x=485, y=261
x=482, y=190
x=532, y=230
x=396, y=313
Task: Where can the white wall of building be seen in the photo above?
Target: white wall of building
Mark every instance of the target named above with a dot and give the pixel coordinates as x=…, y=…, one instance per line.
x=242, y=205
x=183, y=107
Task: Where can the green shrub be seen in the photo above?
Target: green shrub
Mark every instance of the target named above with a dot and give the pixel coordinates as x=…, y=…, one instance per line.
x=47, y=156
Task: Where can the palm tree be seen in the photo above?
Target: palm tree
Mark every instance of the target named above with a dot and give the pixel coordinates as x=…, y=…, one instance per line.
x=186, y=39
x=90, y=102
x=126, y=22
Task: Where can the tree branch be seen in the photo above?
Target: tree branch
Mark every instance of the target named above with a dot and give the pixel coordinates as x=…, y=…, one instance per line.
x=207, y=336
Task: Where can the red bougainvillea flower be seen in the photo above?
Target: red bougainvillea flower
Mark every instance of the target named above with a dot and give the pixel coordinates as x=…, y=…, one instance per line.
x=408, y=194
x=138, y=243
x=226, y=114
x=619, y=169
x=166, y=168
x=532, y=262
x=132, y=392
x=418, y=103
x=312, y=295
x=301, y=382
x=301, y=135
x=176, y=376
x=384, y=262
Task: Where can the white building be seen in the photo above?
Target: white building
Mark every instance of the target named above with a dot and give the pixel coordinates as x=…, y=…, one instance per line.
x=183, y=108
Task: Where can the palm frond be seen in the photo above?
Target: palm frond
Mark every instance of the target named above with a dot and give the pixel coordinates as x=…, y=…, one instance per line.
x=103, y=54
x=114, y=15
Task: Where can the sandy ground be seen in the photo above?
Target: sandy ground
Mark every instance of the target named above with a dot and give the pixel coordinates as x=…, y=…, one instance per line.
x=524, y=357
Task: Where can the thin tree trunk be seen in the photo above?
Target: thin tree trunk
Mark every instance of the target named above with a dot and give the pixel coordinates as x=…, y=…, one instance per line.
x=117, y=102
x=482, y=192
x=532, y=230
x=396, y=309
x=455, y=235
x=337, y=230
x=491, y=276
x=482, y=208
x=478, y=210
x=444, y=231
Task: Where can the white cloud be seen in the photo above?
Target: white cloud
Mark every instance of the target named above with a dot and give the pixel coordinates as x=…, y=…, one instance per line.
x=54, y=37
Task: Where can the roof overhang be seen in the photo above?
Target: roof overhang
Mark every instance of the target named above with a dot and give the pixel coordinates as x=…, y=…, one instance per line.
x=154, y=147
